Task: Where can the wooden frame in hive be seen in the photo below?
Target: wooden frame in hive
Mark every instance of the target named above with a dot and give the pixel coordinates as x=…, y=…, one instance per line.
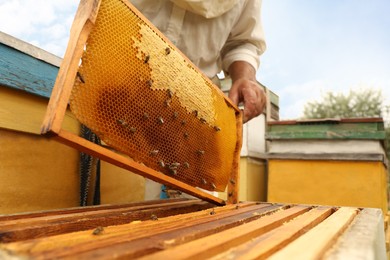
x=144, y=98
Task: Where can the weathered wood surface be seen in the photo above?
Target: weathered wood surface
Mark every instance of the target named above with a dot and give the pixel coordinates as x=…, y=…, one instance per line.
x=247, y=230
x=24, y=71
x=353, y=128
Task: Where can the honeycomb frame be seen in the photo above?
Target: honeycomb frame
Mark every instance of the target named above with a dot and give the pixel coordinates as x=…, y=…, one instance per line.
x=123, y=79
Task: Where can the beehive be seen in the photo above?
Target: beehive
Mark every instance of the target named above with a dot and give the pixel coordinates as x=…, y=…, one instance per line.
x=193, y=229
x=144, y=98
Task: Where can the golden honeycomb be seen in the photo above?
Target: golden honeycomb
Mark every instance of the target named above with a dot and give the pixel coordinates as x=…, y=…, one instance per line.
x=139, y=94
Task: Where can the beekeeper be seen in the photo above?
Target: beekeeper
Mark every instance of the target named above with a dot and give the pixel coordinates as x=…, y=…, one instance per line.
x=216, y=35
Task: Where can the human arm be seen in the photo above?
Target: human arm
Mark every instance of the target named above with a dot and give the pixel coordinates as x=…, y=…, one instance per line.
x=246, y=89
x=240, y=59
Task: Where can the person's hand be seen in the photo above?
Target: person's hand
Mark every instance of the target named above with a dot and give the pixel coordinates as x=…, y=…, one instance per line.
x=251, y=95
x=245, y=89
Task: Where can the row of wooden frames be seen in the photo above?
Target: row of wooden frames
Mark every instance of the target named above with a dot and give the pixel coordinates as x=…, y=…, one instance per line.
x=194, y=229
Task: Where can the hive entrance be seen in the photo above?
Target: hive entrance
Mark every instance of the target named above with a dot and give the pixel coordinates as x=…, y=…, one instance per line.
x=142, y=97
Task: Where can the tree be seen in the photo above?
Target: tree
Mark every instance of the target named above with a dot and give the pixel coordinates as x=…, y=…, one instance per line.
x=365, y=103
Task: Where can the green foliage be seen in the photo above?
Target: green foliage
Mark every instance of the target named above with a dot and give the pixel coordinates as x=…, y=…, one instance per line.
x=367, y=103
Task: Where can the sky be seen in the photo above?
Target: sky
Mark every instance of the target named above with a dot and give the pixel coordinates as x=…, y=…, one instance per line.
x=313, y=46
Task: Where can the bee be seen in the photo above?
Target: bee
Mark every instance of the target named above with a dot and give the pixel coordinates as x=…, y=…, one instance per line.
x=237, y=207
x=230, y=194
x=153, y=217
x=200, y=152
x=160, y=120
x=80, y=77
x=183, y=122
x=161, y=163
x=232, y=181
x=173, y=171
x=146, y=116
x=167, y=102
x=133, y=129
x=186, y=135
x=167, y=50
x=212, y=212
x=174, y=165
x=203, y=121
x=122, y=122
x=213, y=185
x=147, y=59
x=170, y=93
x=98, y=231
x=149, y=83
x=204, y=181
x=175, y=114
x=196, y=112
x=187, y=165
x=154, y=152
x=216, y=128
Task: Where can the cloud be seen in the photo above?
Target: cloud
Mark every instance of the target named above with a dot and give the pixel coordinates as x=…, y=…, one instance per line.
x=45, y=24
x=320, y=46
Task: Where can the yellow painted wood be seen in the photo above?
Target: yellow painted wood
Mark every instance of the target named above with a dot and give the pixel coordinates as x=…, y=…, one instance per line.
x=39, y=174
x=21, y=111
x=254, y=174
x=119, y=185
x=337, y=183
x=253, y=181
x=36, y=173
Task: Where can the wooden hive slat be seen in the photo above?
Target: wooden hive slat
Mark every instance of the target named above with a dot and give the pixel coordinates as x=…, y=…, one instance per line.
x=247, y=230
x=44, y=225
x=265, y=245
x=320, y=238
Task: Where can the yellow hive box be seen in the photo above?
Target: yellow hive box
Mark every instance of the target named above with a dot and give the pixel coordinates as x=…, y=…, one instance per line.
x=335, y=162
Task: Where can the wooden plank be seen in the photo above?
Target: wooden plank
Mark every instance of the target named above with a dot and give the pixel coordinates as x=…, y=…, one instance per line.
x=30, y=50
x=23, y=112
x=364, y=128
x=125, y=163
x=320, y=238
x=136, y=236
x=341, y=120
x=81, y=27
x=234, y=182
x=263, y=246
x=326, y=134
x=376, y=157
x=22, y=72
x=35, y=214
x=221, y=241
x=21, y=229
x=364, y=238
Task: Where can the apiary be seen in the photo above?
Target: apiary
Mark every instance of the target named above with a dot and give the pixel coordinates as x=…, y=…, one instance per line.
x=193, y=229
